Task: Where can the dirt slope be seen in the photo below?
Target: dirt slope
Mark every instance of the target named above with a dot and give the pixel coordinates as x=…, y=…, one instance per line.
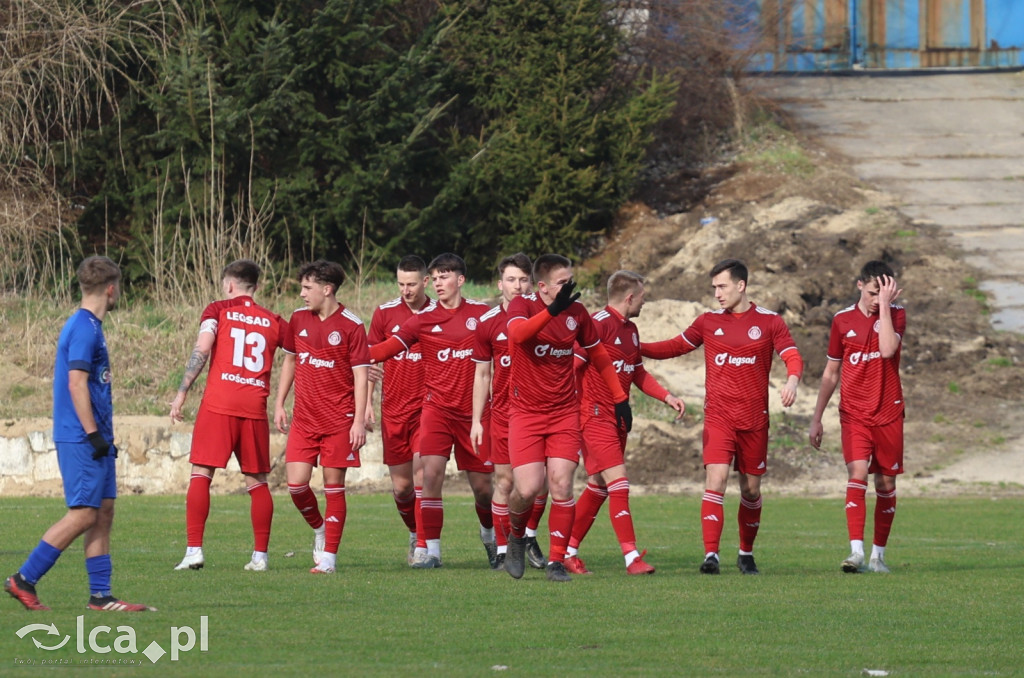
x=804, y=237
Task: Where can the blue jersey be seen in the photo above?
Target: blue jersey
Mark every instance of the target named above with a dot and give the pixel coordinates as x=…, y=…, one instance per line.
x=82, y=347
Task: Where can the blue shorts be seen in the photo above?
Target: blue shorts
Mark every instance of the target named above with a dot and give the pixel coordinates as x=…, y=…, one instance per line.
x=87, y=481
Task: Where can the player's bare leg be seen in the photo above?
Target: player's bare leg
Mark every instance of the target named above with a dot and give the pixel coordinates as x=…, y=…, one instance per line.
x=749, y=519
x=712, y=514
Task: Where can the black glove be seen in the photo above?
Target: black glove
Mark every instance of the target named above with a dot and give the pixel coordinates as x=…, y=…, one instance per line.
x=564, y=298
x=624, y=415
x=100, y=446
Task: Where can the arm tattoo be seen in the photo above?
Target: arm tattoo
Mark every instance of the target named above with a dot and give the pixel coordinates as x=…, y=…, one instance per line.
x=193, y=367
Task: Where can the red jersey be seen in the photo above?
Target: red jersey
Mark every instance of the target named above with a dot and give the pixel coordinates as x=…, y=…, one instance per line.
x=446, y=339
x=738, y=351
x=326, y=352
x=492, y=346
x=542, y=376
x=870, y=391
x=622, y=341
x=244, y=338
x=402, y=389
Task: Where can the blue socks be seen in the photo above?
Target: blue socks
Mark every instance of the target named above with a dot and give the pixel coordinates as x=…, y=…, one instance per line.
x=39, y=562
x=99, y=569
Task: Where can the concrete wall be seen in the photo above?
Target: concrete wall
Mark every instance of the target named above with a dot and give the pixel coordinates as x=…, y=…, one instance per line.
x=153, y=459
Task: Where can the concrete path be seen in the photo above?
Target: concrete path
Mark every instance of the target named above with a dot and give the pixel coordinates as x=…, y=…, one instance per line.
x=950, y=146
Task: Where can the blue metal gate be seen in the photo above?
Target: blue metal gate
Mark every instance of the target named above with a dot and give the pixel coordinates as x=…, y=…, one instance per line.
x=827, y=35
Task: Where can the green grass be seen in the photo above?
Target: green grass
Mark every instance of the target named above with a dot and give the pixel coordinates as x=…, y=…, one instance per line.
x=950, y=607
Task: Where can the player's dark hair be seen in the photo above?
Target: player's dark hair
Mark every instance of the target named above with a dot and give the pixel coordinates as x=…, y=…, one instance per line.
x=519, y=260
x=324, y=273
x=245, y=271
x=96, y=272
x=546, y=263
x=447, y=263
x=737, y=270
x=875, y=269
x=412, y=264
x=622, y=283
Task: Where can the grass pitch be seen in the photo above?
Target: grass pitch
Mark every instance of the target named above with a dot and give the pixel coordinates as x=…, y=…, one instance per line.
x=952, y=605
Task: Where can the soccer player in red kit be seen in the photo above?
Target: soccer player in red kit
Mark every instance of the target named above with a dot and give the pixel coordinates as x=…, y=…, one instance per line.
x=401, y=392
x=604, y=443
x=544, y=420
x=739, y=339
x=238, y=337
x=864, y=360
x=329, y=368
x=445, y=332
x=489, y=430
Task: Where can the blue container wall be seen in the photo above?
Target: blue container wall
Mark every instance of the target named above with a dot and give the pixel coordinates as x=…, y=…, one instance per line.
x=889, y=34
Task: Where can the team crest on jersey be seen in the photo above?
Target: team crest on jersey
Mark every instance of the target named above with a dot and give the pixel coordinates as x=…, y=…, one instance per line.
x=105, y=376
x=754, y=332
x=878, y=323
x=570, y=322
x=334, y=338
x=636, y=339
x=471, y=324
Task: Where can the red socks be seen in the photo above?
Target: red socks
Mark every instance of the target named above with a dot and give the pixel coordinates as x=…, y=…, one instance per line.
x=712, y=515
x=618, y=511
x=885, y=511
x=560, y=527
x=432, y=510
x=856, y=510
x=538, y=511
x=261, y=511
x=587, y=508
x=499, y=516
x=483, y=514
x=305, y=500
x=407, y=509
x=749, y=518
x=197, y=508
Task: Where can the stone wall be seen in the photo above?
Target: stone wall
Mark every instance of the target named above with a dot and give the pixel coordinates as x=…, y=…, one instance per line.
x=152, y=459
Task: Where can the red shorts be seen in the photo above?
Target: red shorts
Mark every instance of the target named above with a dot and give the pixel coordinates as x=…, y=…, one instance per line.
x=604, y=445
x=746, y=450
x=400, y=439
x=215, y=436
x=882, y=446
x=534, y=439
x=497, y=431
x=332, y=449
x=439, y=434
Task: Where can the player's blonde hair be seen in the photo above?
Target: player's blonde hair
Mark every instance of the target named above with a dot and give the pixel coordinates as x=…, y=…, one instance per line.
x=622, y=283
